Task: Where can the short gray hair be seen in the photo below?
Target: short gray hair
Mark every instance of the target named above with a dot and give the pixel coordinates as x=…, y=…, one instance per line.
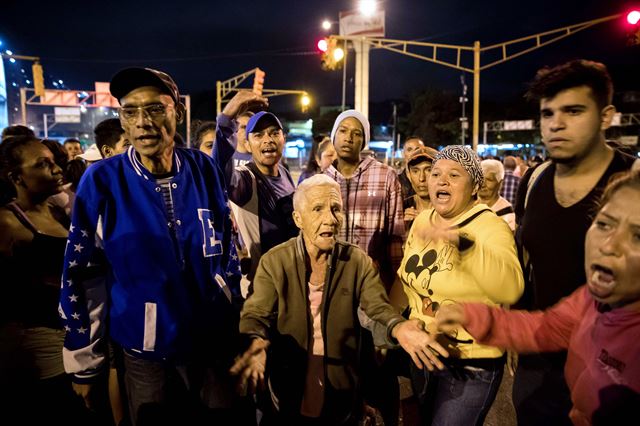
x=493, y=166
x=320, y=179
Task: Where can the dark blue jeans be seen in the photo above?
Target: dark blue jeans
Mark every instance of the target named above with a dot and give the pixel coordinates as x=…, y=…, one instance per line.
x=458, y=395
x=164, y=393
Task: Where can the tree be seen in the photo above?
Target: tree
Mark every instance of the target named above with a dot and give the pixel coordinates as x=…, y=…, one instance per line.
x=434, y=117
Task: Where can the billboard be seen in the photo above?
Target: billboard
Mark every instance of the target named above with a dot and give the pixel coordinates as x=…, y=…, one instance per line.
x=4, y=107
x=354, y=23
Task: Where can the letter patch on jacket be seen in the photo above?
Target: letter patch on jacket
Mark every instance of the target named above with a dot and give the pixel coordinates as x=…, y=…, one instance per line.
x=211, y=240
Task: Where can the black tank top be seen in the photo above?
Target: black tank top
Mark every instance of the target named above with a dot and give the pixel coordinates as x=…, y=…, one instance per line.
x=32, y=290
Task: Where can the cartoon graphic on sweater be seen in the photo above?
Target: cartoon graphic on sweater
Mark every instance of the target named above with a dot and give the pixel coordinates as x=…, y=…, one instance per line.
x=432, y=262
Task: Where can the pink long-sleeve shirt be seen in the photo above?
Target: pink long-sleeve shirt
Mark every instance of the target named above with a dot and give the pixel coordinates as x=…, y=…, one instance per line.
x=603, y=363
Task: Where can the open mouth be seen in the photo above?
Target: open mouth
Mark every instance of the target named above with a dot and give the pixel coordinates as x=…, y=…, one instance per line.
x=269, y=152
x=442, y=195
x=327, y=234
x=602, y=280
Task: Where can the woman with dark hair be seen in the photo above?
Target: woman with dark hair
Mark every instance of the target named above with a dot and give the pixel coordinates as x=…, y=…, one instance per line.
x=458, y=251
x=322, y=156
x=205, y=137
x=33, y=237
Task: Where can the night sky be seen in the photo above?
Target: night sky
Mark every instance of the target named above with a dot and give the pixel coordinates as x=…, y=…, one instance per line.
x=199, y=42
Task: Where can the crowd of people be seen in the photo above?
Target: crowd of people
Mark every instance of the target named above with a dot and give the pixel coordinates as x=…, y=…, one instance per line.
x=150, y=283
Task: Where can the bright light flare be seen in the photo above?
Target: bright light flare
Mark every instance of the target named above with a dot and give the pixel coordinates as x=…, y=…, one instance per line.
x=633, y=17
x=367, y=7
x=305, y=100
x=338, y=54
x=323, y=45
x=326, y=25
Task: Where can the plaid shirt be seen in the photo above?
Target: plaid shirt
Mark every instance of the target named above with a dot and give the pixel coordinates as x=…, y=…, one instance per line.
x=373, y=220
x=510, y=186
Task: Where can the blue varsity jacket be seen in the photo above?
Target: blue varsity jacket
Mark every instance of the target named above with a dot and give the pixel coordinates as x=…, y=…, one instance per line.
x=161, y=289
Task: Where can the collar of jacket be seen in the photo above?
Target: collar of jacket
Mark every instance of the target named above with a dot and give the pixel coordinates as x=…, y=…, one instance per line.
x=364, y=165
x=146, y=174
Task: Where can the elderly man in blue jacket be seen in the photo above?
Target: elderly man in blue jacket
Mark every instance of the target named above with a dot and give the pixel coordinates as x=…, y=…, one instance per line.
x=149, y=263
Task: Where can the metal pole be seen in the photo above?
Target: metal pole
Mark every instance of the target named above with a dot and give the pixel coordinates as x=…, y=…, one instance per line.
x=484, y=136
x=358, y=89
x=46, y=126
x=463, y=100
x=23, y=105
x=476, y=94
x=365, y=79
x=344, y=76
x=218, y=97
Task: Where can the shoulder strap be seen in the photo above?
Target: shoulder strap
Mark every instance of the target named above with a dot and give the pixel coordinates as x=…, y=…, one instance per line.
x=22, y=217
x=470, y=218
x=534, y=178
x=505, y=210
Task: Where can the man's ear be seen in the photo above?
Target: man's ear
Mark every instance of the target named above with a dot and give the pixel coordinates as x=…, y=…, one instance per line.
x=607, y=115
x=297, y=219
x=181, y=112
x=106, y=151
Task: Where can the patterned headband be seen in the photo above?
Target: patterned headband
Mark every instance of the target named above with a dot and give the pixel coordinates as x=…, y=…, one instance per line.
x=467, y=159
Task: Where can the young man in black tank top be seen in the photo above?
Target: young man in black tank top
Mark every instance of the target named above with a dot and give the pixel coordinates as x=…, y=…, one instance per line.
x=575, y=111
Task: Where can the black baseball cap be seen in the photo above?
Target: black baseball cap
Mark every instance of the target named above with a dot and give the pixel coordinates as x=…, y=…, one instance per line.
x=130, y=79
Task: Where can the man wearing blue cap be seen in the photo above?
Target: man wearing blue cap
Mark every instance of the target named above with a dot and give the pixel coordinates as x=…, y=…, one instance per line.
x=150, y=264
x=262, y=190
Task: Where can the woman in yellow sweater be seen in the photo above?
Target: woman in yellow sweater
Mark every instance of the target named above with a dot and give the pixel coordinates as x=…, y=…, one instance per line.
x=458, y=251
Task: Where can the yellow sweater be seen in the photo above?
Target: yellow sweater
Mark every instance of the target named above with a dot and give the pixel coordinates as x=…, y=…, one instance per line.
x=435, y=273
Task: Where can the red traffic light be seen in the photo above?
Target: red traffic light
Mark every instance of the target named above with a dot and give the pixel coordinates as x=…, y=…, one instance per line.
x=633, y=17
x=323, y=45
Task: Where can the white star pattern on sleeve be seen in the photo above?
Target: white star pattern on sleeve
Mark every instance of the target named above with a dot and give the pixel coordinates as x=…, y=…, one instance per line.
x=76, y=316
x=78, y=248
x=71, y=228
x=67, y=328
x=73, y=263
x=84, y=233
x=82, y=330
x=73, y=298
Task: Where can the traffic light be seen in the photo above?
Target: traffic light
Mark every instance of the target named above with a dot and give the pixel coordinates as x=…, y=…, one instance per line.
x=633, y=21
x=38, y=79
x=332, y=54
x=258, y=81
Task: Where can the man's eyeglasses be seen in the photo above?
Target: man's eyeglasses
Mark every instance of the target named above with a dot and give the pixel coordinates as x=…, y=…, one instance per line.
x=153, y=111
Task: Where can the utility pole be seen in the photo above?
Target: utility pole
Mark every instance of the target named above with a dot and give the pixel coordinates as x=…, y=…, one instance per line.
x=464, y=123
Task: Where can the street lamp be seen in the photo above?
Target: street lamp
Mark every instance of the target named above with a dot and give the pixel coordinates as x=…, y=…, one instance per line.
x=367, y=7
x=305, y=101
x=327, y=24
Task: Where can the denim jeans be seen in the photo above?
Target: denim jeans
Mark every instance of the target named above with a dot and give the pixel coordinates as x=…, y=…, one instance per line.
x=457, y=396
x=164, y=393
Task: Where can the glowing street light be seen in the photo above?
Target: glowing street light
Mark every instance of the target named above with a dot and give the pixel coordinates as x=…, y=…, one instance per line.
x=326, y=25
x=367, y=7
x=633, y=17
x=305, y=100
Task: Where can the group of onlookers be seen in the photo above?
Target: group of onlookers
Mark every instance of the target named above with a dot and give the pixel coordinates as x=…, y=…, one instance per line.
x=203, y=286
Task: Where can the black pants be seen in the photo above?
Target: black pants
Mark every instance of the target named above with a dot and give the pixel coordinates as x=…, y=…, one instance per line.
x=540, y=392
